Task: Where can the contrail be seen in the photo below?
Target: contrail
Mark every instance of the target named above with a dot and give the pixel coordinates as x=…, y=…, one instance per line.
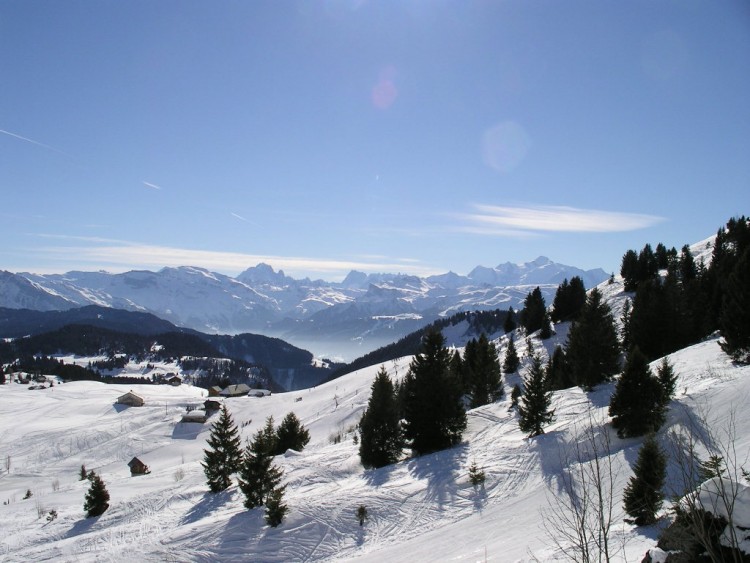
x=33, y=142
x=150, y=185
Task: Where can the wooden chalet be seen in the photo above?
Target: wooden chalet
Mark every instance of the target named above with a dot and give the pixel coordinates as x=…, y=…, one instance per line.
x=137, y=467
x=130, y=399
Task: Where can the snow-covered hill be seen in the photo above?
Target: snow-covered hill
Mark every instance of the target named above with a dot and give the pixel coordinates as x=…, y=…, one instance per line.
x=422, y=509
x=345, y=320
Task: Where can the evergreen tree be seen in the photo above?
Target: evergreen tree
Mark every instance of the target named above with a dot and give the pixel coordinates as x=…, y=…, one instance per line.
x=511, y=362
x=291, y=435
x=557, y=371
x=225, y=454
x=97, y=497
x=482, y=366
x=510, y=321
x=643, y=494
x=381, y=437
x=276, y=509
x=569, y=299
x=735, y=311
x=82, y=473
x=592, y=349
x=515, y=395
x=434, y=413
x=476, y=474
x=534, y=310
x=629, y=270
x=636, y=405
x=361, y=514
x=533, y=409
x=648, y=267
x=258, y=476
x=662, y=256
x=667, y=380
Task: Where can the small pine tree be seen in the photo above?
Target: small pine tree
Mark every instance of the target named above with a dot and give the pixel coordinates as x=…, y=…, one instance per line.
x=362, y=514
x=483, y=371
x=511, y=362
x=510, y=321
x=712, y=467
x=291, y=435
x=667, y=379
x=643, y=495
x=225, y=455
x=275, y=508
x=476, y=474
x=380, y=426
x=83, y=475
x=636, y=405
x=258, y=476
x=533, y=409
x=97, y=497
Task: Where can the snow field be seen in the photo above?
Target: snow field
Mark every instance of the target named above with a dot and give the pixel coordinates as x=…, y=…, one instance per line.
x=421, y=509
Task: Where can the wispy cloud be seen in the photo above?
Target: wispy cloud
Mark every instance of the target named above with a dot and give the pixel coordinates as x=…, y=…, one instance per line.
x=117, y=256
x=33, y=142
x=532, y=220
x=150, y=185
x=236, y=216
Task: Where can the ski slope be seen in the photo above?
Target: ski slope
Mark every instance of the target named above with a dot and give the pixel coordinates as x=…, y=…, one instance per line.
x=421, y=509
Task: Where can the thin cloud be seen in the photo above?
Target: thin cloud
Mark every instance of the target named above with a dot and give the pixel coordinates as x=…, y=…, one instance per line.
x=150, y=185
x=515, y=221
x=33, y=142
x=236, y=216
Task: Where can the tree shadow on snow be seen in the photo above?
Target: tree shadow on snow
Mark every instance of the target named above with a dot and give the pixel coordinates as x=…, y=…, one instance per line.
x=440, y=470
x=478, y=497
x=208, y=504
x=378, y=477
x=82, y=526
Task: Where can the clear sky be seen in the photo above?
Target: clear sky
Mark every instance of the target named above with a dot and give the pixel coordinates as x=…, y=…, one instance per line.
x=395, y=136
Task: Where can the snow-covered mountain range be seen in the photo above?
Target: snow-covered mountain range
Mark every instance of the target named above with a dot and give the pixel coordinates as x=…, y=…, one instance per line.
x=339, y=319
x=419, y=509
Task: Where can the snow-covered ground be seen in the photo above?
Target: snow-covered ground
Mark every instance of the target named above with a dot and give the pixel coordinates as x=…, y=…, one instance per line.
x=422, y=509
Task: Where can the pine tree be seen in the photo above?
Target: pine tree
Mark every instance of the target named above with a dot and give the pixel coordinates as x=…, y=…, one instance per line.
x=291, y=435
x=258, y=476
x=381, y=437
x=275, y=507
x=629, y=270
x=482, y=367
x=569, y=299
x=636, y=404
x=511, y=362
x=643, y=494
x=476, y=474
x=510, y=321
x=533, y=409
x=97, y=497
x=434, y=413
x=515, y=395
x=735, y=311
x=592, y=349
x=667, y=379
x=225, y=455
x=82, y=473
x=557, y=371
x=534, y=310
x=361, y=514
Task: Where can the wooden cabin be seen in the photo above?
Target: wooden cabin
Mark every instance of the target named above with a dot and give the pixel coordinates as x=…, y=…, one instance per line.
x=137, y=467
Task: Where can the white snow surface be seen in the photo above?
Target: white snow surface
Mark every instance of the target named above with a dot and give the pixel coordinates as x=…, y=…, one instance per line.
x=421, y=509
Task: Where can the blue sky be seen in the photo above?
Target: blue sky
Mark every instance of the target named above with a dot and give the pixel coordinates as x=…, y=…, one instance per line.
x=412, y=136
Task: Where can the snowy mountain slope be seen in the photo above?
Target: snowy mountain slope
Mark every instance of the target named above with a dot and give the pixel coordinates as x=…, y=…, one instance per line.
x=420, y=509
x=346, y=319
